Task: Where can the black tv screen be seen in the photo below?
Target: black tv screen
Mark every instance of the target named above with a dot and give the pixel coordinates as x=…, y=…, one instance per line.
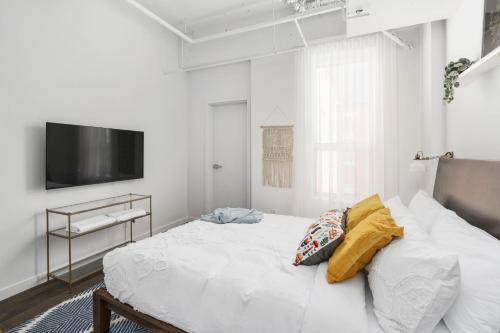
x=84, y=155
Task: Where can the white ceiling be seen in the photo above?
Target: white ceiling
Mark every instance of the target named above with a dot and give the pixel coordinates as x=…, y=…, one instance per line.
x=220, y=31
x=200, y=18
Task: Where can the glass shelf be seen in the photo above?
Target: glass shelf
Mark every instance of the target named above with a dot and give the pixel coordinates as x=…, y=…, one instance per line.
x=98, y=204
x=63, y=233
x=69, y=274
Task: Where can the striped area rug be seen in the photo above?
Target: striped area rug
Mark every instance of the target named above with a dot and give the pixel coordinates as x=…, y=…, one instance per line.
x=75, y=316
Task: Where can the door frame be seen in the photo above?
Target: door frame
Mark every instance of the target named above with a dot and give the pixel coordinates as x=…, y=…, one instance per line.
x=209, y=150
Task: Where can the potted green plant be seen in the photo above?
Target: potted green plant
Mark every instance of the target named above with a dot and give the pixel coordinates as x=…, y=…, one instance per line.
x=451, y=73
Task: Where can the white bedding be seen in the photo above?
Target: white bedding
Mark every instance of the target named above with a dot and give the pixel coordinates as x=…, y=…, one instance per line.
x=204, y=277
x=373, y=324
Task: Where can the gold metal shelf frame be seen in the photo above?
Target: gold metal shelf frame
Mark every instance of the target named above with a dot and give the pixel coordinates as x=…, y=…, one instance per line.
x=85, y=207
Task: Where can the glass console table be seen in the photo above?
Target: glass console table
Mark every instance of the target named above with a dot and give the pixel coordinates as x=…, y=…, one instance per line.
x=67, y=273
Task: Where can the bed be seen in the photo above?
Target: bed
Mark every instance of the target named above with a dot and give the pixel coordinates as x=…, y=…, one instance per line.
x=204, y=277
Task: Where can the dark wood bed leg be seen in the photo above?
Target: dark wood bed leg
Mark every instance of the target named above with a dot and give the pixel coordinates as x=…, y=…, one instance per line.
x=102, y=314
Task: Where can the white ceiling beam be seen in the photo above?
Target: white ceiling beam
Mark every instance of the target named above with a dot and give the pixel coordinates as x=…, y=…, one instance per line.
x=158, y=19
x=301, y=33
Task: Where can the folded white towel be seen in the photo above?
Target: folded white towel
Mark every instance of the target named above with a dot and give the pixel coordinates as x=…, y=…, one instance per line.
x=91, y=223
x=128, y=214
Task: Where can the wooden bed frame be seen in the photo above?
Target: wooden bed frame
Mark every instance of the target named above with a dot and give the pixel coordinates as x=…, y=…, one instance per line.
x=104, y=303
x=468, y=187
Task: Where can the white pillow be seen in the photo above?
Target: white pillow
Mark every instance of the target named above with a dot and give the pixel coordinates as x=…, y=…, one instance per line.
x=412, y=282
x=477, y=308
x=427, y=210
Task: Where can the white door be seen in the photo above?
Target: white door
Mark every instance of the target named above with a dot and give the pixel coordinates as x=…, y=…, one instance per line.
x=230, y=155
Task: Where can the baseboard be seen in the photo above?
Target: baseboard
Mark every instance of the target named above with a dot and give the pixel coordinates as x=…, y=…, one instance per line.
x=40, y=278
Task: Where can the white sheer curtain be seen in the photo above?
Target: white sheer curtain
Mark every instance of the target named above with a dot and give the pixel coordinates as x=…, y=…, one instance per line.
x=346, y=133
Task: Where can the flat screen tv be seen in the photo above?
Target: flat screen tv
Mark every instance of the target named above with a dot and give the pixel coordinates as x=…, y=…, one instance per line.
x=83, y=155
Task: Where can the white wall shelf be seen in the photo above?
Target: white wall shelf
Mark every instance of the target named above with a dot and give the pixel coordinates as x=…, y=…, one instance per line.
x=483, y=65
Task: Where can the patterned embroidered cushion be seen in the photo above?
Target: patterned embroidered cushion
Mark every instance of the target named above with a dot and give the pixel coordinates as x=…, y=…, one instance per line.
x=321, y=239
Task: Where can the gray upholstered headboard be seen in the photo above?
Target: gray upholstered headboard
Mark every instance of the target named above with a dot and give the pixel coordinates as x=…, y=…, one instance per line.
x=471, y=188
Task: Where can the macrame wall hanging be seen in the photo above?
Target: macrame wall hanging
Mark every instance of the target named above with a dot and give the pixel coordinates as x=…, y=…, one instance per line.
x=277, y=155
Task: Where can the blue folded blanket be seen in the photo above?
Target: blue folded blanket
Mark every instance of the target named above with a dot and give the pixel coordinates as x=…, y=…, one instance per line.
x=233, y=215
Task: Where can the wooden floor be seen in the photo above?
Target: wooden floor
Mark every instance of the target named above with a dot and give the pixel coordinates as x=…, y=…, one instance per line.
x=26, y=305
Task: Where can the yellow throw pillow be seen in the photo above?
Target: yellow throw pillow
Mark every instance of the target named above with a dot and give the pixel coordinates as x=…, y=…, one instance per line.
x=361, y=244
x=362, y=210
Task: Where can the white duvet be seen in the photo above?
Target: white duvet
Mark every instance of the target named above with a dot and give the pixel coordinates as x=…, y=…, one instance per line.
x=210, y=278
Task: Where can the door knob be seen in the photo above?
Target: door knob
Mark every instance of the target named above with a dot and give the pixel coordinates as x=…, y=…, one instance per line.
x=217, y=166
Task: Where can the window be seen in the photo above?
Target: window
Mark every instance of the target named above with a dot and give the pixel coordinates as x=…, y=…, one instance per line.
x=346, y=133
x=341, y=94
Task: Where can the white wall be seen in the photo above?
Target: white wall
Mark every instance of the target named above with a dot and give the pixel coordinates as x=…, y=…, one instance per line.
x=409, y=92
x=433, y=54
x=215, y=85
x=474, y=115
x=94, y=62
x=273, y=103
x=271, y=82
x=433, y=108
x=273, y=85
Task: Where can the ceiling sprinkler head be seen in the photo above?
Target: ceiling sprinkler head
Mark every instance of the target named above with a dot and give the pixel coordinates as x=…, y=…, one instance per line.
x=360, y=12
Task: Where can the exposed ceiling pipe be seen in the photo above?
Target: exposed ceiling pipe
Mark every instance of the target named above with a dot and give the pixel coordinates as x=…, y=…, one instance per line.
x=259, y=56
x=155, y=17
x=263, y=25
x=397, y=40
x=293, y=18
x=288, y=19
x=249, y=58
x=233, y=32
x=237, y=8
x=242, y=59
x=301, y=33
